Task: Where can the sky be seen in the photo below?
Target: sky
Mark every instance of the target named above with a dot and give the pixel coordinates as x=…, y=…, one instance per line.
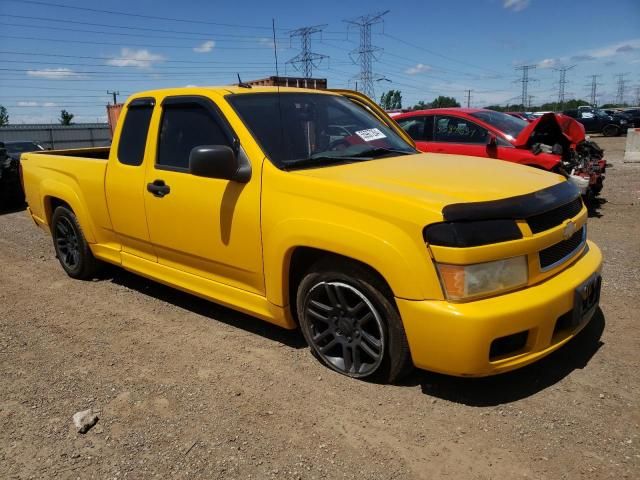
x=66, y=54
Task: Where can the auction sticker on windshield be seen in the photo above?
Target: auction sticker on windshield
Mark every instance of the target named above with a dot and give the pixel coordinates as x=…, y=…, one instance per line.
x=370, y=134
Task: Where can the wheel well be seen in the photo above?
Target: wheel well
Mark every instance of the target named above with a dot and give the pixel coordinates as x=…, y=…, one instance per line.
x=303, y=258
x=50, y=205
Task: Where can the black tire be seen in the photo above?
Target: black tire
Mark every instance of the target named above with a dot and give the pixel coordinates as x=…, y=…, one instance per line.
x=611, y=131
x=363, y=336
x=71, y=247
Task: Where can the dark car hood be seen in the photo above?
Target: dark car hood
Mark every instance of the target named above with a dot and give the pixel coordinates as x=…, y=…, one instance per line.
x=571, y=129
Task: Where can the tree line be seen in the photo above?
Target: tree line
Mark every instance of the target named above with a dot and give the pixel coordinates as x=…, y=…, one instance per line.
x=64, y=119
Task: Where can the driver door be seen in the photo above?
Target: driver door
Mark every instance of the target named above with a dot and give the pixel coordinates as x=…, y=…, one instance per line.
x=207, y=227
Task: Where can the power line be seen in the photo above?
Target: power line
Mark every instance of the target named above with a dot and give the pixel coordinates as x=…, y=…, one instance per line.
x=237, y=38
x=87, y=42
x=561, y=84
x=137, y=15
x=87, y=57
x=525, y=81
x=126, y=27
x=115, y=96
x=365, y=53
x=468, y=98
x=622, y=83
x=306, y=60
x=594, y=89
x=446, y=57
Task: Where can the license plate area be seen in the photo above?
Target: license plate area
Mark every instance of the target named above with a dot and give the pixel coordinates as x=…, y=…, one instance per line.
x=586, y=299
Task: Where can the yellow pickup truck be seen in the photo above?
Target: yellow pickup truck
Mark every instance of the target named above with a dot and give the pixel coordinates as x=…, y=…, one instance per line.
x=313, y=209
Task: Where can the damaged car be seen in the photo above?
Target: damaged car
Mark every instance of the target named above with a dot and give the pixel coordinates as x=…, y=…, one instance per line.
x=549, y=143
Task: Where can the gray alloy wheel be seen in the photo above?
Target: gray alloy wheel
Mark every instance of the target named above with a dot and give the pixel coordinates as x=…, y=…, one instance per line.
x=345, y=329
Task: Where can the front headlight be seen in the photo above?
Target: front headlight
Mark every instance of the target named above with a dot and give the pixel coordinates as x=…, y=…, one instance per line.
x=464, y=282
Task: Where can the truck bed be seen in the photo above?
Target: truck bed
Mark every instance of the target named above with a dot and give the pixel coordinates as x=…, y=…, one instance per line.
x=76, y=175
x=99, y=153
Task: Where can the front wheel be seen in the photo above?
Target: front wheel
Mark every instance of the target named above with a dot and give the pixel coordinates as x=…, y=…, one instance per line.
x=348, y=319
x=71, y=247
x=610, y=131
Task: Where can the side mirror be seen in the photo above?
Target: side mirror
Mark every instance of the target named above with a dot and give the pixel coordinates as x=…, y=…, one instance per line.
x=219, y=161
x=492, y=140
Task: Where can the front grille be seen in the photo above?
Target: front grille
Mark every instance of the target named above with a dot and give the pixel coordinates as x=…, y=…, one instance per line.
x=552, y=218
x=555, y=254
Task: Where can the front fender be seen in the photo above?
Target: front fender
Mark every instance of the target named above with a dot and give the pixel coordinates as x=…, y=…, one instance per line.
x=405, y=266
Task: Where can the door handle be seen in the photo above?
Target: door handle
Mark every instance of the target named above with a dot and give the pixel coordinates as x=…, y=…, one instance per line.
x=158, y=188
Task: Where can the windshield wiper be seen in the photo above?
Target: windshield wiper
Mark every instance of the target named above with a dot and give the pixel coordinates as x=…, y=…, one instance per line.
x=323, y=159
x=376, y=151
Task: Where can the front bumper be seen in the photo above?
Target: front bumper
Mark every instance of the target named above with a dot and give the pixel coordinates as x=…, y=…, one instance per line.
x=456, y=338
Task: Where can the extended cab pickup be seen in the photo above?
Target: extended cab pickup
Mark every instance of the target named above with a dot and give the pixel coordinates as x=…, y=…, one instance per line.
x=314, y=209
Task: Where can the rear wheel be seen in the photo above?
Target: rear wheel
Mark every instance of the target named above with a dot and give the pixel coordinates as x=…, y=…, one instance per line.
x=610, y=131
x=71, y=247
x=348, y=318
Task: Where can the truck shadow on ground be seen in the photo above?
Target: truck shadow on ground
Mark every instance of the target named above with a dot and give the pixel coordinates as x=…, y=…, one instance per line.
x=479, y=392
x=519, y=384
x=213, y=311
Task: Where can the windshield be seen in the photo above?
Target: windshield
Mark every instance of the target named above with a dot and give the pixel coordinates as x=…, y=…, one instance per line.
x=21, y=147
x=501, y=121
x=313, y=129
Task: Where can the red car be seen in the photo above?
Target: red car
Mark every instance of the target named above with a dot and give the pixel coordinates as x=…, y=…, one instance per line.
x=486, y=133
x=551, y=142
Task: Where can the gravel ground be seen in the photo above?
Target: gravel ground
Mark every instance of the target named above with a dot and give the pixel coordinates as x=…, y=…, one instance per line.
x=188, y=389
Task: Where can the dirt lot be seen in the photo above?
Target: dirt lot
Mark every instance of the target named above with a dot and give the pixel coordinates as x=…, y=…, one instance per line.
x=188, y=389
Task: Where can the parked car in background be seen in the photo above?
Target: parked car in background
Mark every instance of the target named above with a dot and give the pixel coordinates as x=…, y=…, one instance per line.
x=10, y=185
x=543, y=143
x=17, y=148
x=621, y=114
x=529, y=117
x=595, y=120
x=634, y=113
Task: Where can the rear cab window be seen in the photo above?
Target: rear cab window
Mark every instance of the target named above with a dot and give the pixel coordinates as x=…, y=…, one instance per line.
x=133, y=136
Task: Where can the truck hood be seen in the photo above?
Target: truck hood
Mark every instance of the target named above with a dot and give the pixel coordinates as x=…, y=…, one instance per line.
x=573, y=131
x=432, y=180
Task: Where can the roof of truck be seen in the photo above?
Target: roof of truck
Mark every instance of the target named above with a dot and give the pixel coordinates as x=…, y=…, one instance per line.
x=225, y=90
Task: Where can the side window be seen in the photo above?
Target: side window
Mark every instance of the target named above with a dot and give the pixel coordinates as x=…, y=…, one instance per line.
x=183, y=127
x=458, y=130
x=418, y=128
x=133, y=136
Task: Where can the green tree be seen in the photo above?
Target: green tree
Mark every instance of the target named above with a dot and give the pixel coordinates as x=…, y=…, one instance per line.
x=65, y=117
x=444, y=102
x=391, y=100
x=421, y=105
x=396, y=99
x=4, y=116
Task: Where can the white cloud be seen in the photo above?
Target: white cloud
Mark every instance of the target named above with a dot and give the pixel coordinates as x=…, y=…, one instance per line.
x=419, y=68
x=205, y=47
x=548, y=63
x=515, y=5
x=30, y=103
x=53, y=73
x=135, y=58
x=266, y=42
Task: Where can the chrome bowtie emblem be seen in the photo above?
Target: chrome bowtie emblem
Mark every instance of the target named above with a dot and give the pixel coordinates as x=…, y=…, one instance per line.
x=569, y=230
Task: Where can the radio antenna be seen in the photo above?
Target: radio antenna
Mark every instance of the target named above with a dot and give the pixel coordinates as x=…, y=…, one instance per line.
x=275, y=54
